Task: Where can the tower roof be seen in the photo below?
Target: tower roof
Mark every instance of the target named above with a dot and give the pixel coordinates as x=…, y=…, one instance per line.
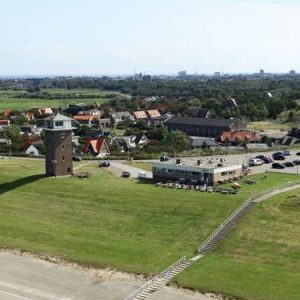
x=58, y=122
x=58, y=117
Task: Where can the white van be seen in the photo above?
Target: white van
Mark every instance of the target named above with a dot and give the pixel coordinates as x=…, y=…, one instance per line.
x=255, y=162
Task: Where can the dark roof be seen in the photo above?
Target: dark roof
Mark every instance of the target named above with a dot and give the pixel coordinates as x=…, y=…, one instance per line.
x=201, y=121
x=202, y=113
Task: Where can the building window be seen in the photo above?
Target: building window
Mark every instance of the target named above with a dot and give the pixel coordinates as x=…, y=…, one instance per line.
x=59, y=123
x=62, y=135
x=62, y=147
x=63, y=158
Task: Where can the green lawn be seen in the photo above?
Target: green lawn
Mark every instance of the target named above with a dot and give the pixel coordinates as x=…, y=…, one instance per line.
x=8, y=98
x=261, y=257
x=25, y=103
x=107, y=221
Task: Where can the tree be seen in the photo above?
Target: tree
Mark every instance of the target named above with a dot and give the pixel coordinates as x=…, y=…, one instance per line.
x=12, y=133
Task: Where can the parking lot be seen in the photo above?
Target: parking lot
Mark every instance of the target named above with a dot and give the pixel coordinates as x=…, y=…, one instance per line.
x=244, y=158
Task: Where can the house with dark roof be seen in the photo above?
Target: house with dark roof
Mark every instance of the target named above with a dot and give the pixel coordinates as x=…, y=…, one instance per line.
x=118, y=117
x=204, y=127
x=131, y=141
x=293, y=137
x=198, y=112
x=96, y=147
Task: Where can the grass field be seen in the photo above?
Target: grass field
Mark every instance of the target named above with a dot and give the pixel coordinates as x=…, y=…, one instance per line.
x=261, y=257
x=8, y=98
x=268, y=125
x=107, y=221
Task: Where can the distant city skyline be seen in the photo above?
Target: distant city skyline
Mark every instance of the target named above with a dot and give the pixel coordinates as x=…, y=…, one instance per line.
x=110, y=37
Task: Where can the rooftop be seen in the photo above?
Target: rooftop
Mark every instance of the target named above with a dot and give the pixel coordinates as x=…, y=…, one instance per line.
x=207, y=163
x=201, y=121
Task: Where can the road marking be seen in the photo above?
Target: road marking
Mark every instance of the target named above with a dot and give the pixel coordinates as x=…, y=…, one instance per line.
x=31, y=291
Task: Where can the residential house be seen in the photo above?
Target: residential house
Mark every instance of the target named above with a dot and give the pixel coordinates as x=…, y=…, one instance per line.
x=104, y=123
x=239, y=136
x=118, y=117
x=85, y=120
x=92, y=112
x=28, y=128
x=199, y=112
x=140, y=115
x=32, y=151
x=204, y=127
x=200, y=142
x=131, y=142
x=4, y=124
x=29, y=116
x=292, y=137
x=96, y=147
x=44, y=112
x=154, y=117
x=29, y=144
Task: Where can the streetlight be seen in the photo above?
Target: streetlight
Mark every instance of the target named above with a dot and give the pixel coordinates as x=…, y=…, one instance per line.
x=9, y=144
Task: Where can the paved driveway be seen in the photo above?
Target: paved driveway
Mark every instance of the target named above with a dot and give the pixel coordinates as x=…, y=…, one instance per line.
x=117, y=167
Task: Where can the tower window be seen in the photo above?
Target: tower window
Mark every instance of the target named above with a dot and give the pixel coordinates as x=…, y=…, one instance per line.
x=59, y=123
x=62, y=147
x=63, y=158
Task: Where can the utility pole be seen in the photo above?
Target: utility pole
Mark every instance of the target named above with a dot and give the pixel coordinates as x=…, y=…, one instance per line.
x=9, y=144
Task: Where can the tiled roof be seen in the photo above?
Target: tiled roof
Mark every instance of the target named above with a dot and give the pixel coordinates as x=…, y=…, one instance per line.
x=153, y=113
x=140, y=114
x=95, y=143
x=241, y=135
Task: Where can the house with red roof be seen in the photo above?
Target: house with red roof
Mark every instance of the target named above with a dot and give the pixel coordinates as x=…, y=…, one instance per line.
x=244, y=136
x=154, y=117
x=140, y=115
x=96, y=147
x=4, y=123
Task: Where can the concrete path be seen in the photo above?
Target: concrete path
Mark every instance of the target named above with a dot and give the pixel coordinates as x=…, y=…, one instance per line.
x=275, y=192
x=28, y=278
x=117, y=167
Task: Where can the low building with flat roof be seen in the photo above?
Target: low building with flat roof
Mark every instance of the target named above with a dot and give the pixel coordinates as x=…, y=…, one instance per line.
x=201, y=172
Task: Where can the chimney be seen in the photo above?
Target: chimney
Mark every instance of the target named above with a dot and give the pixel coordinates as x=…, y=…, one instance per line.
x=198, y=162
x=177, y=161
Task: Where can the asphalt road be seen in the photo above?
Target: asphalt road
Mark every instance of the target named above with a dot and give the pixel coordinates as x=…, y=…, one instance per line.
x=27, y=278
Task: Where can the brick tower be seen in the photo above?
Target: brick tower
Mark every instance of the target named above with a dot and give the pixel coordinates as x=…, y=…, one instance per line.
x=58, y=143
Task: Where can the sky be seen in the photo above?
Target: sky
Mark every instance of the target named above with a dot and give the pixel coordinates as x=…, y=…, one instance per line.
x=110, y=37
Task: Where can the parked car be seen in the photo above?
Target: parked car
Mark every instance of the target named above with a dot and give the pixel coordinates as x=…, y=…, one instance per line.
x=289, y=164
x=164, y=158
x=278, y=166
x=104, y=164
x=265, y=159
x=286, y=153
x=278, y=156
x=76, y=158
x=125, y=174
x=255, y=162
x=296, y=162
